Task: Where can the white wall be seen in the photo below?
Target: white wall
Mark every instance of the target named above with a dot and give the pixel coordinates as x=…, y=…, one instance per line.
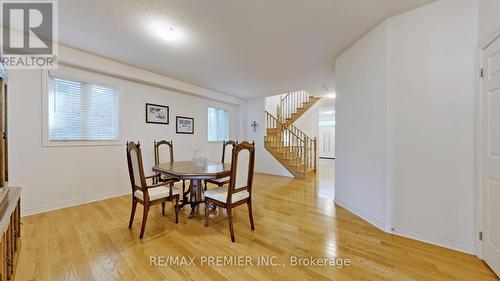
x=54, y=177
x=309, y=121
x=431, y=71
x=272, y=104
x=489, y=19
x=361, y=170
x=405, y=124
x=264, y=161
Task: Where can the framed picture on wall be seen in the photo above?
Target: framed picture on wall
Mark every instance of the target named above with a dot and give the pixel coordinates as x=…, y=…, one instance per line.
x=184, y=125
x=157, y=114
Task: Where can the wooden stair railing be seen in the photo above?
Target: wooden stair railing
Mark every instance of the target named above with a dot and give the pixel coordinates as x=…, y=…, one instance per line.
x=293, y=105
x=290, y=146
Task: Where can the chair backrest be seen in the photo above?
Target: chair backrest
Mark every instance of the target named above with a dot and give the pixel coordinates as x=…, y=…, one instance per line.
x=135, y=167
x=227, y=149
x=242, y=167
x=164, y=152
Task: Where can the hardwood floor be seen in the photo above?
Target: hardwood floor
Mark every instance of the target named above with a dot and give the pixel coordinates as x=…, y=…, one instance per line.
x=293, y=218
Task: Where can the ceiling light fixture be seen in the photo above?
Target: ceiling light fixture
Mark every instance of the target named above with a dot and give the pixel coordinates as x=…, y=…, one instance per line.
x=165, y=31
x=169, y=33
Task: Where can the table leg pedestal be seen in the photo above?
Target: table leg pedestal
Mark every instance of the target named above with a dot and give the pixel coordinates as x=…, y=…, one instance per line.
x=195, y=195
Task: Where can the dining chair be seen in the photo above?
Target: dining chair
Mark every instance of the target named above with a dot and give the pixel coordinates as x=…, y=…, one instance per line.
x=239, y=189
x=158, y=192
x=227, y=149
x=164, y=153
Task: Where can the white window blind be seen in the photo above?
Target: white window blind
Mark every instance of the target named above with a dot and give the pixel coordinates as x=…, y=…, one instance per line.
x=218, y=124
x=81, y=111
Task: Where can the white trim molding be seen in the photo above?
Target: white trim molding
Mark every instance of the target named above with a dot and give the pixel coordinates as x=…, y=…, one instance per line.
x=365, y=216
x=438, y=241
x=415, y=235
x=74, y=202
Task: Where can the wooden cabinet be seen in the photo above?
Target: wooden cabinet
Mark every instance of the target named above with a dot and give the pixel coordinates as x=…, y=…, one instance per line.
x=10, y=231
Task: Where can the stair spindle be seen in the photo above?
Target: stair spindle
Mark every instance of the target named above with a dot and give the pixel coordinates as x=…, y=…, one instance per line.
x=296, y=103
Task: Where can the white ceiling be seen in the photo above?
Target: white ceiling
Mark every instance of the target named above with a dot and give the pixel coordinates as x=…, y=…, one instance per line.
x=245, y=48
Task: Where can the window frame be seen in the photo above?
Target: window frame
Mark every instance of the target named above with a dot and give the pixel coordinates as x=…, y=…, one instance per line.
x=228, y=123
x=46, y=142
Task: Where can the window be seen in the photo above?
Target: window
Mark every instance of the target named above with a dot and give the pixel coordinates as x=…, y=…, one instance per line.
x=81, y=111
x=218, y=124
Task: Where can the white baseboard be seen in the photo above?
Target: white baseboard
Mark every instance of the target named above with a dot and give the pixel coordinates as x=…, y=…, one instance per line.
x=370, y=219
x=415, y=235
x=73, y=202
x=438, y=241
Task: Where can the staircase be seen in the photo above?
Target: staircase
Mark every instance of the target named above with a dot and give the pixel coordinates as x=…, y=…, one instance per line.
x=294, y=149
x=293, y=105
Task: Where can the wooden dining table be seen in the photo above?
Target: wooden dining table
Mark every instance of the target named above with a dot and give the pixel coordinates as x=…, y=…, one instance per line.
x=187, y=170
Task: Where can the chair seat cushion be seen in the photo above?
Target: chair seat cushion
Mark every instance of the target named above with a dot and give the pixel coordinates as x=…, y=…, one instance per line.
x=220, y=181
x=158, y=192
x=220, y=194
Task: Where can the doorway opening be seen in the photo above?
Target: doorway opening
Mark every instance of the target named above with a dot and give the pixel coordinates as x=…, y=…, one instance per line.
x=326, y=147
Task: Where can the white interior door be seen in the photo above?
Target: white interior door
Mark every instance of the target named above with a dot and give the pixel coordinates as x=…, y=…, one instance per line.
x=326, y=142
x=490, y=156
